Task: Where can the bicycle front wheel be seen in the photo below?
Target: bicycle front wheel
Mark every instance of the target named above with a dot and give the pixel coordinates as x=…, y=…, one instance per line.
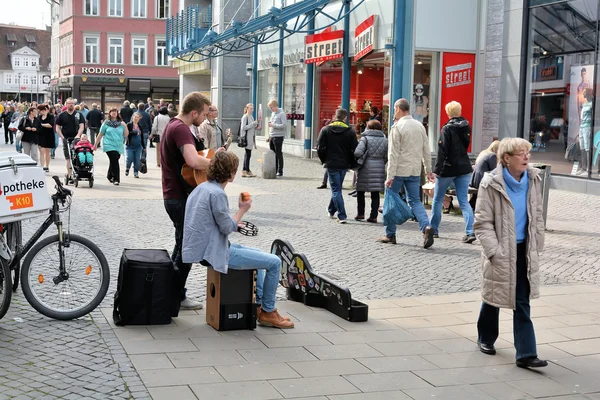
x=59, y=297
x=14, y=238
x=5, y=287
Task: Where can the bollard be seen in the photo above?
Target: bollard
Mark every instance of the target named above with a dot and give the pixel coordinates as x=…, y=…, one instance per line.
x=268, y=165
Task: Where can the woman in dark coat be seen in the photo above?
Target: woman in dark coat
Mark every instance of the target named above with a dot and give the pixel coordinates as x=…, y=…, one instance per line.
x=486, y=161
x=453, y=166
x=372, y=149
x=30, y=127
x=46, y=139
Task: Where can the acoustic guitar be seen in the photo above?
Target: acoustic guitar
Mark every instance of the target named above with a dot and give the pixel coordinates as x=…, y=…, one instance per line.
x=195, y=177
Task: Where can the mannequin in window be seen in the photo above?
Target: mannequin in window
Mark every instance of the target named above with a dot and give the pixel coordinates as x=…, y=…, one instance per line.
x=420, y=104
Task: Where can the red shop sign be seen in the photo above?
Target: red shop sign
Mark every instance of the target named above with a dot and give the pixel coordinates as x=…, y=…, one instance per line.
x=458, y=75
x=323, y=46
x=364, y=38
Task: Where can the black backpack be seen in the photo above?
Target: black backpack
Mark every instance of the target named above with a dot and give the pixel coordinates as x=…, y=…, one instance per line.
x=147, y=291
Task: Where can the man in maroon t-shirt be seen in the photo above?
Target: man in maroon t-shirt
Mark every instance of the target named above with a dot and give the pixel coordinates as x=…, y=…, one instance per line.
x=178, y=146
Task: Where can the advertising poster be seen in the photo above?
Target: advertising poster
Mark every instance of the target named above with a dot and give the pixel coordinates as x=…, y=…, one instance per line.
x=581, y=79
x=458, y=84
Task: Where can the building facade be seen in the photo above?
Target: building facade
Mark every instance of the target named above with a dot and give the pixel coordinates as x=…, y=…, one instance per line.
x=25, y=63
x=109, y=51
x=541, y=79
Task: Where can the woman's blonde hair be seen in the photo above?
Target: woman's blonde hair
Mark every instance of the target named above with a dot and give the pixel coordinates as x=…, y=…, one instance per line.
x=453, y=109
x=512, y=146
x=492, y=148
x=247, y=107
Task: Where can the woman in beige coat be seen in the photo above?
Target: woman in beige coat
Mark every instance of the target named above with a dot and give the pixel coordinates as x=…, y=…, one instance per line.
x=510, y=226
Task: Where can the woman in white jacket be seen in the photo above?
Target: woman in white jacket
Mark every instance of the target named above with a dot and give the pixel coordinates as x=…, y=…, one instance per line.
x=247, y=127
x=158, y=127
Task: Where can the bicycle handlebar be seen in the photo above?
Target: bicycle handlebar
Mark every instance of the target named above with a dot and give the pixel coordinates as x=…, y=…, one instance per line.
x=60, y=190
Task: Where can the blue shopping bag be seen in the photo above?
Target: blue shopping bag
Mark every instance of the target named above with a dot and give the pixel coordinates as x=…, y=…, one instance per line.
x=395, y=209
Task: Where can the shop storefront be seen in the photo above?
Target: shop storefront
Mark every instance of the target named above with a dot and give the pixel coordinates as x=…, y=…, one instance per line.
x=562, y=111
x=443, y=69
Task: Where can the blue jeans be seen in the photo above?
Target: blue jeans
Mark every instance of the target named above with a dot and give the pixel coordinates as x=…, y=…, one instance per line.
x=145, y=136
x=412, y=188
x=244, y=258
x=134, y=155
x=461, y=184
x=336, y=204
x=53, y=150
x=524, y=335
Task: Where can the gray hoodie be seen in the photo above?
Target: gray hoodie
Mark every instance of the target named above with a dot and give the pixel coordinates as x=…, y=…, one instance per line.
x=278, y=120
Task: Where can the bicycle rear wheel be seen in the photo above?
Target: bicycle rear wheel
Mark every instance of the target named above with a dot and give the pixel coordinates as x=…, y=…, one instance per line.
x=5, y=287
x=14, y=238
x=74, y=297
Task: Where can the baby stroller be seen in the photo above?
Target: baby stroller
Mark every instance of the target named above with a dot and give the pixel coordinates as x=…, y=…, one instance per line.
x=81, y=171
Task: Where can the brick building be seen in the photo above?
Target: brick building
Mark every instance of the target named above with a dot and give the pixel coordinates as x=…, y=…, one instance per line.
x=109, y=51
x=25, y=63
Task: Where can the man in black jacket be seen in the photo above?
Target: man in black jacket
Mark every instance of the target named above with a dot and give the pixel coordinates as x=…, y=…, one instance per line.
x=126, y=112
x=94, y=120
x=335, y=147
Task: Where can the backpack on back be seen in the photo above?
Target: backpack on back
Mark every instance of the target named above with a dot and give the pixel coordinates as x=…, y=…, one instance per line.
x=146, y=289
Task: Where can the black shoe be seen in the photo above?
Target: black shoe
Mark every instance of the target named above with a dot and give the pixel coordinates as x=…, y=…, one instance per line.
x=322, y=187
x=428, y=237
x=469, y=238
x=486, y=348
x=531, y=362
x=436, y=236
x=279, y=174
x=352, y=193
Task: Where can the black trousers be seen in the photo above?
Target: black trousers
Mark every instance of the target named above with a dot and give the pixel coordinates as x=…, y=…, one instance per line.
x=8, y=134
x=114, y=172
x=360, y=198
x=176, y=211
x=276, y=144
x=247, y=156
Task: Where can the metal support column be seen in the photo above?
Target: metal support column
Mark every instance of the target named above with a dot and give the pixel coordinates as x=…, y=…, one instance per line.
x=397, y=55
x=346, y=67
x=308, y=112
x=254, y=95
x=280, y=81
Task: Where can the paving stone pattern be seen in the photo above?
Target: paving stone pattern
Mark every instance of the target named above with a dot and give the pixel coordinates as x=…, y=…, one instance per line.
x=82, y=355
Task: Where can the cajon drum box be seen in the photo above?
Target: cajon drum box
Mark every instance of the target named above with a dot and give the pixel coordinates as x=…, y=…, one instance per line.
x=230, y=299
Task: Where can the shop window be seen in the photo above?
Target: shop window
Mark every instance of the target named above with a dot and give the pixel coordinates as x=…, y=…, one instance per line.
x=423, y=105
x=267, y=90
x=91, y=7
x=113, y=98
x=115, y=50
x=560, y=105
x=294, y=100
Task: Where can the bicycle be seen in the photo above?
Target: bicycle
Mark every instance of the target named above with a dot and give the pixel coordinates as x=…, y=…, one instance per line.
x=63, y=276
x=14, y=238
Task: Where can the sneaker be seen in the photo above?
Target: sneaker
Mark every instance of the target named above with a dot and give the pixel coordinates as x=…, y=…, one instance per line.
x=136, y=175
x=116, y=183
x=469, y=238
x=189, y=304
x=428, y=237
x=279, y=174
x=322, y=187
x=126, y=173
x=244, y=174
x=332, y=216
x=436, y=236
x=259, y=311
x=273, y=319
x=250, y=174
x=352, y=193
x=387, y=239
x=342, y=221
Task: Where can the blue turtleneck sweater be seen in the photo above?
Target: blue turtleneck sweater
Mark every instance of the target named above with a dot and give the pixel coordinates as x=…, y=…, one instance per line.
x=517, y=192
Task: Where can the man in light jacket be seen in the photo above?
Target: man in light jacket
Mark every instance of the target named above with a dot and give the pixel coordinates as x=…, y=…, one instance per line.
x=275, y=139
x=408, y=149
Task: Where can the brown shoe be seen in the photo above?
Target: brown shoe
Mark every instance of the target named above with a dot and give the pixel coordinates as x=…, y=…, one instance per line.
x=388, y=240
x=244, y=174
x=250, y=174
x=428, y=237
x=274, y=320
x=259, y=311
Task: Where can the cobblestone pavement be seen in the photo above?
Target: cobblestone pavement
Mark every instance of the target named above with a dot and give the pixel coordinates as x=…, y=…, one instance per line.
x=132, y=216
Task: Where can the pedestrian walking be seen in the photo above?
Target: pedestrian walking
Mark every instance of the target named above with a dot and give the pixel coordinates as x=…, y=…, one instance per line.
x=46, y=135
x=158, y=127
x=372, y=154
x=453, y=166
x=408, y=152
x=247, y=133
x=335, y=148
x=510, y=226
x=30, y=139
x=8, y=133
x=69, y=125
x=56, y=143
x=114, y=131
x=134, y=145
x=278, y=125
x=126, y=112
x=16, y=119
x=94, y=120
x=486, y=161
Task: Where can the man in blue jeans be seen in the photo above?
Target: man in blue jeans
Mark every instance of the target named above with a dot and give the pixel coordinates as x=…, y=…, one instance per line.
x=335, y=147
x=408, y=150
